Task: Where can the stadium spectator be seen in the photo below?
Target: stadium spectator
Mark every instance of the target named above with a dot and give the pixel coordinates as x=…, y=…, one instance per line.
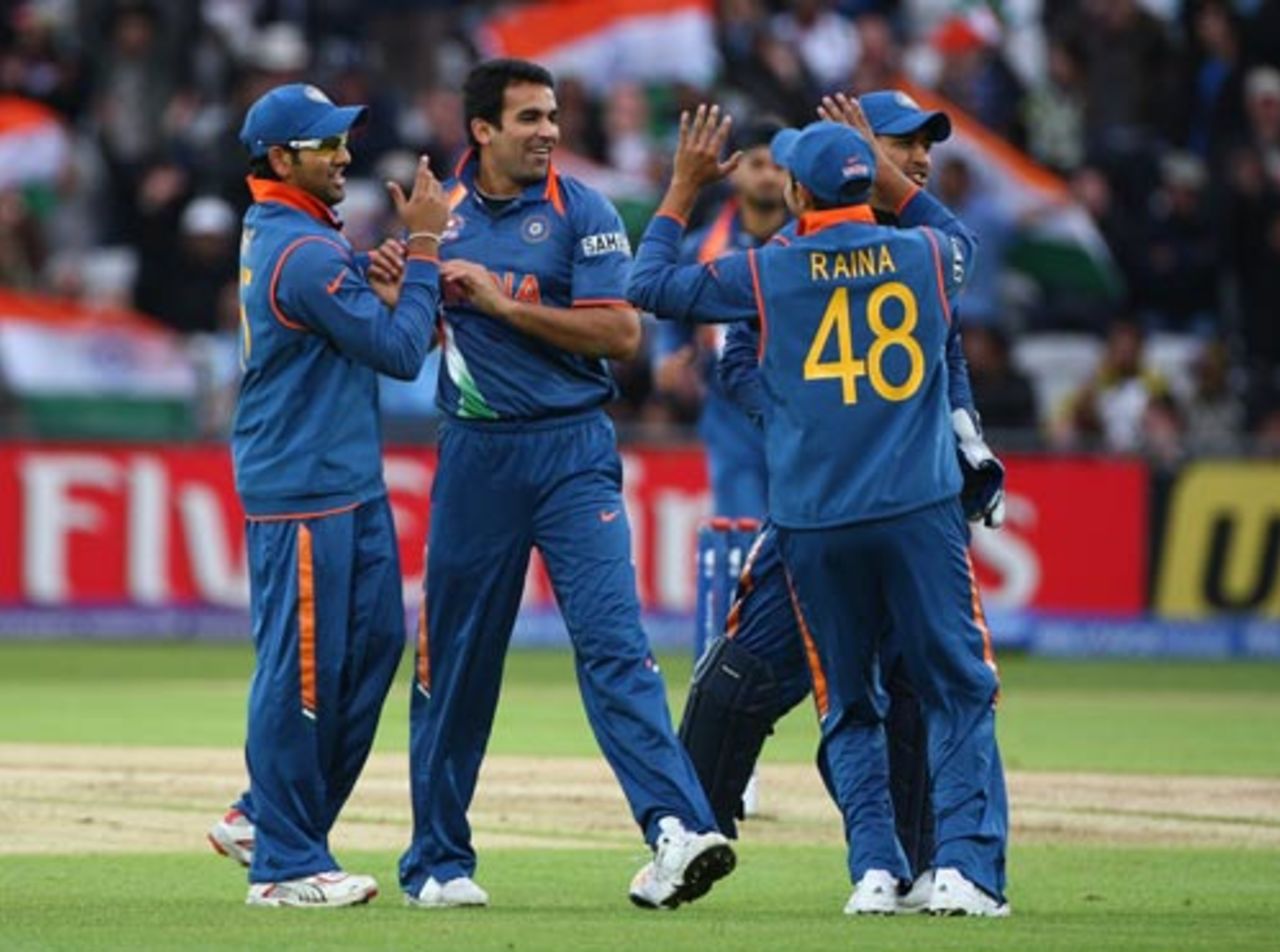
x=995, y=227
x=1215, y=412
x=186, y=284
x=1176, y=283
x=1003, y=395
x=1108, y=411
x=828, y=43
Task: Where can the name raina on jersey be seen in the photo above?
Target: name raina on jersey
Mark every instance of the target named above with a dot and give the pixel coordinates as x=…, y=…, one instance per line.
x=855, y=263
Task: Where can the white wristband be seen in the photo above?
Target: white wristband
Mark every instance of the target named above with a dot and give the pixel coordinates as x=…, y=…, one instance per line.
x=429, y=235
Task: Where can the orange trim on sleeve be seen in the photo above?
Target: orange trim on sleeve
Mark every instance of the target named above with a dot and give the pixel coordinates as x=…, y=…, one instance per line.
x=283, y=516
x=755, y=287
x=306, y=621
x=275, y=278
x=602, y=302
x=821, y=697
x=433, y=259
x=423, y=659
x=678, y=219
x=942, y=285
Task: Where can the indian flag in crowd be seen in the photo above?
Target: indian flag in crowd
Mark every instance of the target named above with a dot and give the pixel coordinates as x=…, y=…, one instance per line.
x=34, y=147
x=603, y=43
x=1059, y=244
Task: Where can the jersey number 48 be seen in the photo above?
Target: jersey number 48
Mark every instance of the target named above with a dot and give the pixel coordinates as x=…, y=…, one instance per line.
x=847, y=367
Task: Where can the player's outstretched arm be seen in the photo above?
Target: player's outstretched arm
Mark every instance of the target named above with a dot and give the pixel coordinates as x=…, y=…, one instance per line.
x=714, y=292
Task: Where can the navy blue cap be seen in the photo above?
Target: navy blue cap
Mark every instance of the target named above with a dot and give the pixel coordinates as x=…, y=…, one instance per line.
x=892, y=112
x=295, y=111
x=832, y=161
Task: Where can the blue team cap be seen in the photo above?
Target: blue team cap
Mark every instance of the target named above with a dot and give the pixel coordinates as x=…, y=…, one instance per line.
x=892, y=112
x=293, y=113
x=780, y=146
x=832, y=161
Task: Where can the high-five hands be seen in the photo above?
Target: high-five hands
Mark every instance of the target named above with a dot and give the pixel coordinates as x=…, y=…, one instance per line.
x=702, y=138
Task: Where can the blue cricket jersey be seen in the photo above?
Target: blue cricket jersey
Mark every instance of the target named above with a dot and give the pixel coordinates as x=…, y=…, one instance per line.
x=559, y=244
x=723, y=424
x=854, y=319
x=314, y=338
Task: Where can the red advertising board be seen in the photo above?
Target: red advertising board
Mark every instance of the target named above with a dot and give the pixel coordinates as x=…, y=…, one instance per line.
x=154, y=525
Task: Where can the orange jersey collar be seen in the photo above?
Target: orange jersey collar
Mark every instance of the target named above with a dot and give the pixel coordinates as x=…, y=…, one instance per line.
x=268, y=190
x=813, y=222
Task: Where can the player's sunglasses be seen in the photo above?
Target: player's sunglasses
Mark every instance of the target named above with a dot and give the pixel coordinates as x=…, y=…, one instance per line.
x=327, y=144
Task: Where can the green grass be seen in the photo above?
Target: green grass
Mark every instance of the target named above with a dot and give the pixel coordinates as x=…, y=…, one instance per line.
x=1129, y=717
x=785, y=898
x=1205, y=718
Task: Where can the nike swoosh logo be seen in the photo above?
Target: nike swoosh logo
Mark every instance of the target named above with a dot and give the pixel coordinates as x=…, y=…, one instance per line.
x=332, y=286
x=608, y=515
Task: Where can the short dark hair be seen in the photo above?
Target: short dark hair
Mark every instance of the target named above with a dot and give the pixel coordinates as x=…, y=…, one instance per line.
x=754, y=133
x=260, y=168
x=483, y=91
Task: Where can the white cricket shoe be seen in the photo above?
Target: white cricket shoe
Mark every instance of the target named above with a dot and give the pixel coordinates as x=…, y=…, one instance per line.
x=751, y=796
x=232, y=836
x=916, y=899
x=953, y=895
x=319, y=891
x=876, y=894
x=683, y=868
x=458, y=892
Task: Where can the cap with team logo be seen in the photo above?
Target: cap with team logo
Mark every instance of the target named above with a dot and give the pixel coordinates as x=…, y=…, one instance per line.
x=832, y=161
x=292, y=113
x=891, y=112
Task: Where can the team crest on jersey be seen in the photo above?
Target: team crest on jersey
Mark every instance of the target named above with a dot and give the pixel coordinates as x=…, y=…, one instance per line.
x=535, y=228
x=452, y=228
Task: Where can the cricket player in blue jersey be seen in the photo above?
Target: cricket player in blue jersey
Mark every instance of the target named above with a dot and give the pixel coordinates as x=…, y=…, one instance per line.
x=750, y=679
x=324, y=570
x=685, y=357
x=863, y=483
x=534, y=268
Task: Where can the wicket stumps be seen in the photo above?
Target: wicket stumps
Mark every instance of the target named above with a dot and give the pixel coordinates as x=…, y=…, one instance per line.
x=723, y=544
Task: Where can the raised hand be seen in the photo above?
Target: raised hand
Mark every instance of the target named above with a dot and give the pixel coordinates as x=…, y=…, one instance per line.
x=847, y=111
x=702, y=138
x=426, y=209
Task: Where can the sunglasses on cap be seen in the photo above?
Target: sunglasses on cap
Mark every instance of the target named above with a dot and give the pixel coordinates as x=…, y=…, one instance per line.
x=327, y=144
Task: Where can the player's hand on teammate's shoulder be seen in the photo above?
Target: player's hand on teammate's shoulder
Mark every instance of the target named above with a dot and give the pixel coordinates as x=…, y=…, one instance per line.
x=426, y=209
x=703, y=135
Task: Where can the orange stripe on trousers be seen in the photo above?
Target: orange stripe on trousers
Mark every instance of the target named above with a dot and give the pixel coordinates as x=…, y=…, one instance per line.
x=979, y=616
x=306, y=620
x=820, y=698
x=424, y=660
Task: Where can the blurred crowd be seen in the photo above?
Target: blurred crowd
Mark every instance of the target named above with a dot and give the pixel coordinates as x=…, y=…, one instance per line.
x=122, y=181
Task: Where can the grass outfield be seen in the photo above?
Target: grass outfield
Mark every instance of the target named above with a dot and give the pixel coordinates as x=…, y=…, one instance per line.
x=785, y=898
x=1210, y=720
x=1125, y=717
